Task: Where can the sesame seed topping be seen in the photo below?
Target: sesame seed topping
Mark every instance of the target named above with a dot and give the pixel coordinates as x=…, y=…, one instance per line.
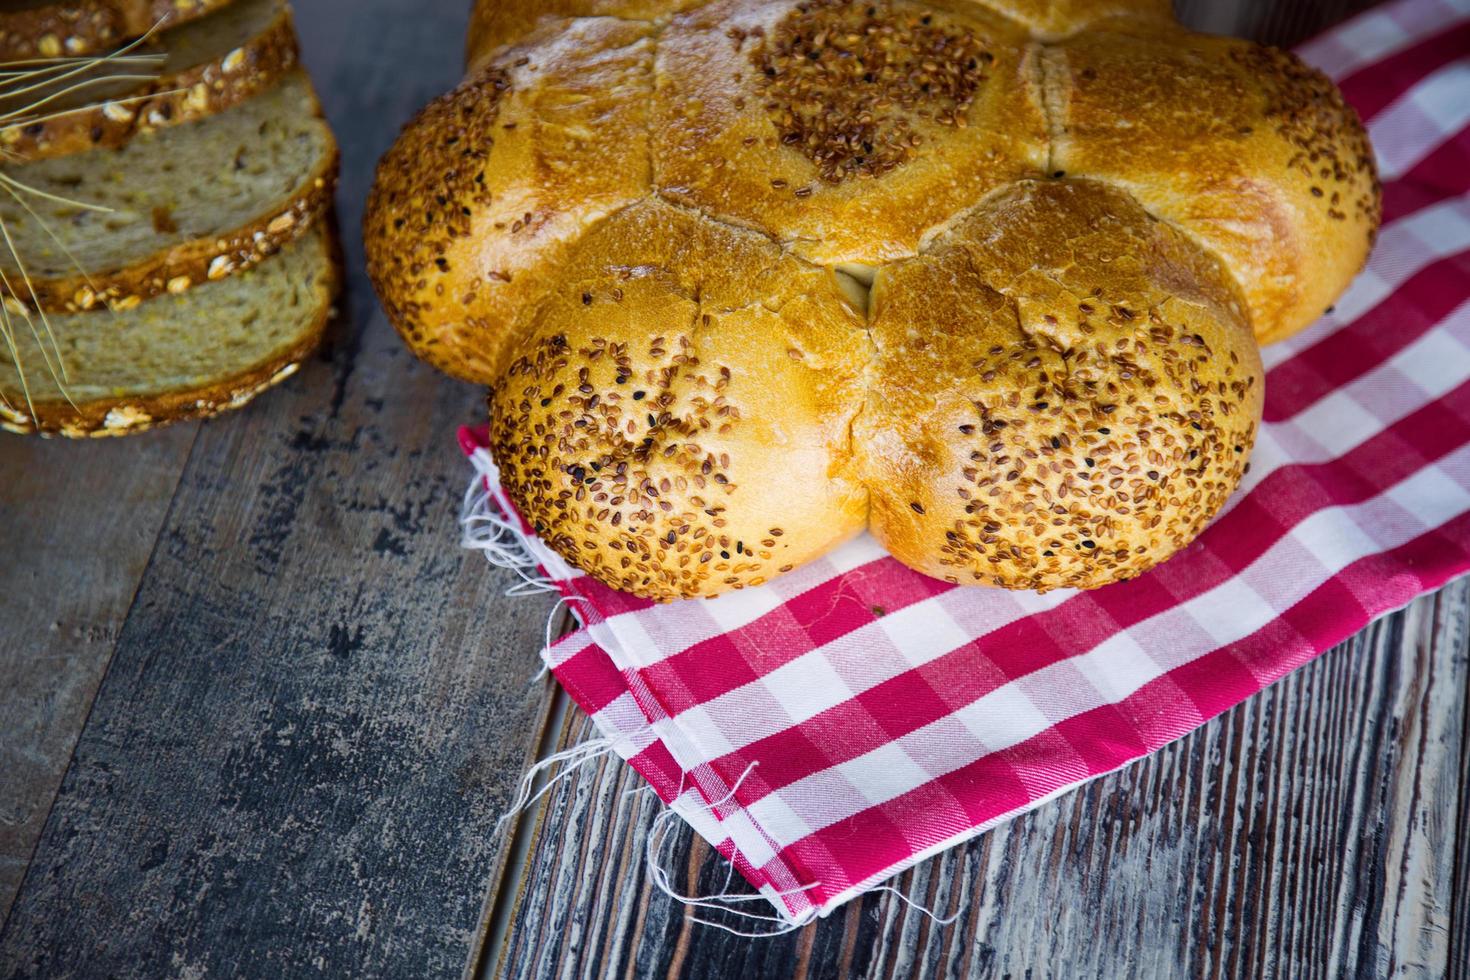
x=847, y=83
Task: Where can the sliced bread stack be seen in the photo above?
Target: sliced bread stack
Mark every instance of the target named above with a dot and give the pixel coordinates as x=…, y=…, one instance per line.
x=166, y=244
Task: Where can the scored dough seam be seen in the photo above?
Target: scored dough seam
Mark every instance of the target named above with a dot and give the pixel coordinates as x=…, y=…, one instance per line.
x=1053, y=107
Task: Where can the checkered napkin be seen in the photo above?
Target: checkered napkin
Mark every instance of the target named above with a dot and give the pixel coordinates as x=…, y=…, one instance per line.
x=851, y=718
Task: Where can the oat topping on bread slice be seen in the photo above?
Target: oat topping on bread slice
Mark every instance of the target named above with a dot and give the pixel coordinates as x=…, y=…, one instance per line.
x=57, y=28
x=171, y=209
x=175, y=76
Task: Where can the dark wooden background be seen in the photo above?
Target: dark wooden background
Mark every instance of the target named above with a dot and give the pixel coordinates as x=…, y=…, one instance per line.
x=258, y=716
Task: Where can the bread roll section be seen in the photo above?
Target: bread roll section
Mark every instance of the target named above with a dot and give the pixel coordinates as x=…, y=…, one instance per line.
x=846, y=130
x=1081, y=402
x=1246, y=149
x=677, y=420
x=476, y=206
x=988, y=278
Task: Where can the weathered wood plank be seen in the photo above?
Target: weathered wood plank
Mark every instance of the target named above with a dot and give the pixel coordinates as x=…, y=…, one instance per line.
x=1460, y=888
x=79, y=524
x=1283, y=24
x=318, y=704
x=1309, y=832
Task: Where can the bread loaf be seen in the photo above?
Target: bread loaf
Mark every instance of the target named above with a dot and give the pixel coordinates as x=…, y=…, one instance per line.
x=748, y=276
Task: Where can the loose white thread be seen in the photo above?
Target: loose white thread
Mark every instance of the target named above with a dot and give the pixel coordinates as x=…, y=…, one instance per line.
x=782, y=930
x=915, y=905
x=574, y=757
x=584, y=752
x=654, y=858
x=488, y=530
x=567, y=601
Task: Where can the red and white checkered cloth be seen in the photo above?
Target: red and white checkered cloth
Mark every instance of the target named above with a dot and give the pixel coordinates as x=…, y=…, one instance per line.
x=891, y=716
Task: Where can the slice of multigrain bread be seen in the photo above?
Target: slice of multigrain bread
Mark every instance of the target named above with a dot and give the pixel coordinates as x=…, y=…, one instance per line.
x=183, y=205
x=175, y=357
x=57, y=28
x=207, y=66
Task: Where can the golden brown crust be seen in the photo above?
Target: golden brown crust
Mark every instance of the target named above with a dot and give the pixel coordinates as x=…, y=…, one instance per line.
x=1245, y=148
x=190, y=263
x=1080, y=218
x=847, y=133
x=1056, y=19
x=670, y=428
x=477, y=203
x=178, y=97
x=497, y=23
x=503, y=22
x=1083, y=408
x=132, y=415
x=80, y=27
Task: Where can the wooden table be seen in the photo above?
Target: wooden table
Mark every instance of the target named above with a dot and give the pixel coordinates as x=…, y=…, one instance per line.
x=259, y=714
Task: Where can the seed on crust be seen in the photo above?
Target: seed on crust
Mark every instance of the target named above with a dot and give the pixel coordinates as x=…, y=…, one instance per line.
x=847, y=78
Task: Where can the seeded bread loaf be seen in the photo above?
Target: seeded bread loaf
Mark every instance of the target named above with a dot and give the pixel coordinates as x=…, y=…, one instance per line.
x=747, y=276
x=187, y=204
x=209, y=65
x=173, y=357
x=61, y=28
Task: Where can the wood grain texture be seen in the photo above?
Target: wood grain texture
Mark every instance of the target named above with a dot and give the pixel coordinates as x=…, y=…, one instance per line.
x=318, y=703
x=1460, y=888
x=78, y=524
x=1281, y=23
x=1310, y=832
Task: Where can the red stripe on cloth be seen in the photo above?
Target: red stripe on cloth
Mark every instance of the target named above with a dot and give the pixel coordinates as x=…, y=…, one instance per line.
x=657, y=765
x=1297, y=492
x=720, y=664
x=472, y=437
x=1099, y=737
x=1370, y=587
x=1409, y=21
x=1214, y=683
x=885, y=840
x=590, y=675
x=930, y=692
x=739, y=661
x=1354, y=350
x=608, y=602
x=1437, y=176
x=1367, y=588
x=1160, y=590
x=1375, y=87
x=1003, y=783
x=825, y=612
